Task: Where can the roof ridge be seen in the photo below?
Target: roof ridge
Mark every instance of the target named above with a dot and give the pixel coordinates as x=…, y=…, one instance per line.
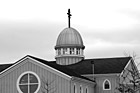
x=106, y=58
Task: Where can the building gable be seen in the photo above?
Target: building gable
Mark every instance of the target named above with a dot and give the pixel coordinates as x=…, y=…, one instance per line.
x=9, y=80
x=52, y=66
x=129, y=73
x=33, y=61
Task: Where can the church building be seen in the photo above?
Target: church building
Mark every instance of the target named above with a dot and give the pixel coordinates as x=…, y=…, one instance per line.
x=71, y=72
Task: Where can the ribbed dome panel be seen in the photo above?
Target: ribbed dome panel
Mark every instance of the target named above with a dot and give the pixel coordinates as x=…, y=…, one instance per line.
x=69, y=37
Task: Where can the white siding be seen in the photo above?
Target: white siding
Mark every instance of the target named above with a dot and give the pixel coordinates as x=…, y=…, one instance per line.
x=8, y=79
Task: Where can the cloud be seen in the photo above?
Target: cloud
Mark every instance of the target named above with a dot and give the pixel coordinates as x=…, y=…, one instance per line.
x=109, y=44
x=108, y=28
x=110, y=49
x=18, y=39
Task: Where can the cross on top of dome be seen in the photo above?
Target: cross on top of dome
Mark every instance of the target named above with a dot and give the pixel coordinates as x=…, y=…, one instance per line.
x=69, y=16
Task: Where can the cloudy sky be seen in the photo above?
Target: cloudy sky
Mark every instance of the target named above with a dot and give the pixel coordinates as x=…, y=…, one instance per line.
x=109, y=28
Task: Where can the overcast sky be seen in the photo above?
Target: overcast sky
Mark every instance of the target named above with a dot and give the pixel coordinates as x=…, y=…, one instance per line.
x=109, y=28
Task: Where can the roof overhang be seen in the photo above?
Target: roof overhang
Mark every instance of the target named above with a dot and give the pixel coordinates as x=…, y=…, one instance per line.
x=83, y=80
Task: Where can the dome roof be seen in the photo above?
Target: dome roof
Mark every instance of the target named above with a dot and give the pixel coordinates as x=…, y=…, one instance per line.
x=69, y=37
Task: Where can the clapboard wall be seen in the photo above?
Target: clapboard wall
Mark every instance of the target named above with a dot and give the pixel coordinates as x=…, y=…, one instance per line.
x=8, y=79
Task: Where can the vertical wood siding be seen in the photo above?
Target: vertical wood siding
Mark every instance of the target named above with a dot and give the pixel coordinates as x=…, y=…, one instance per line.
x=84, y=86
x=99, y=86
x=9, y=80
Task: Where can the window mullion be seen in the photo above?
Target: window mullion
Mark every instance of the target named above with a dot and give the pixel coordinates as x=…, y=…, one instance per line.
x=24, y=84
x=33, y=83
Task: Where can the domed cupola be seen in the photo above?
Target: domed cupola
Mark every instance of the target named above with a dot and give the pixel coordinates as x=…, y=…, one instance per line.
x=69, y=46
x=69, y=37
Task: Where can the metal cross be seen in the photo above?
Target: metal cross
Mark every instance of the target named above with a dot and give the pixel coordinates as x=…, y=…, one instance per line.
x=69, y=16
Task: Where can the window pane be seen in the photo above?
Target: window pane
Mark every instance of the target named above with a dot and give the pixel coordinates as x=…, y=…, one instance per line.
x=33, y=79
x=74, y=89
x=24, y=88
x=106, y=85
x=80, y=89
x=72, y=50
x=24, y=79
x=59, y=52
x=33, y=88
x=86, y=90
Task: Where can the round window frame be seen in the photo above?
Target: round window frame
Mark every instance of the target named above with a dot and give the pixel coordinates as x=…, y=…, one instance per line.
x=28, y=72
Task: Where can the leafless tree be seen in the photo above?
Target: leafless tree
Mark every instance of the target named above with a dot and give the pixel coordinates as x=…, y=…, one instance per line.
x=48, y=86
x=129, y=81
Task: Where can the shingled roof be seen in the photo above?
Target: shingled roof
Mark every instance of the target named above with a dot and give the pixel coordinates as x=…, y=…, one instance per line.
x=101, y=66
x=110, y=65
x=61, y=68
x=52, y=64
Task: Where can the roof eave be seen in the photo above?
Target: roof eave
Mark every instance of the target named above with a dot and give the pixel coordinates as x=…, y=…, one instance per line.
x=84, y=80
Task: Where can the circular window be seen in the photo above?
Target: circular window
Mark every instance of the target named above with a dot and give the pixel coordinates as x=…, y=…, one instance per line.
x=28, y=82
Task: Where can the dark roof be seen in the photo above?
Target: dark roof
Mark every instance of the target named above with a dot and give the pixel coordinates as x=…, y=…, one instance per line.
x=4, y=66
x=51, y=64
x=101, y=66
x=61, y=68
x=83, y=67
x=110, y=65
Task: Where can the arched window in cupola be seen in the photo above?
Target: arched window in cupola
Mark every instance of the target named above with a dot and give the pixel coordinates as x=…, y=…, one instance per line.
x=106, y=85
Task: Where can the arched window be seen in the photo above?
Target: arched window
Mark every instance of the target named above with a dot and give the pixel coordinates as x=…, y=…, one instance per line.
x=74, y=88
x=81, y=89
x=106, y=85
x=86, y=89
x=28, y=82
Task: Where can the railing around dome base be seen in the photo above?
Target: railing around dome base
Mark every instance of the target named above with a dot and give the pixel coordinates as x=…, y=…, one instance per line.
x=69, y=51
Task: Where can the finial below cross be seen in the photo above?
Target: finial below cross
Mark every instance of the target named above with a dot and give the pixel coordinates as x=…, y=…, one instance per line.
x=69, y=16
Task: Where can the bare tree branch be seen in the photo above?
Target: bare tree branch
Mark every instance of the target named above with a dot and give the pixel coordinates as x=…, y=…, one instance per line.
x=130, y=79
x=48, y=86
